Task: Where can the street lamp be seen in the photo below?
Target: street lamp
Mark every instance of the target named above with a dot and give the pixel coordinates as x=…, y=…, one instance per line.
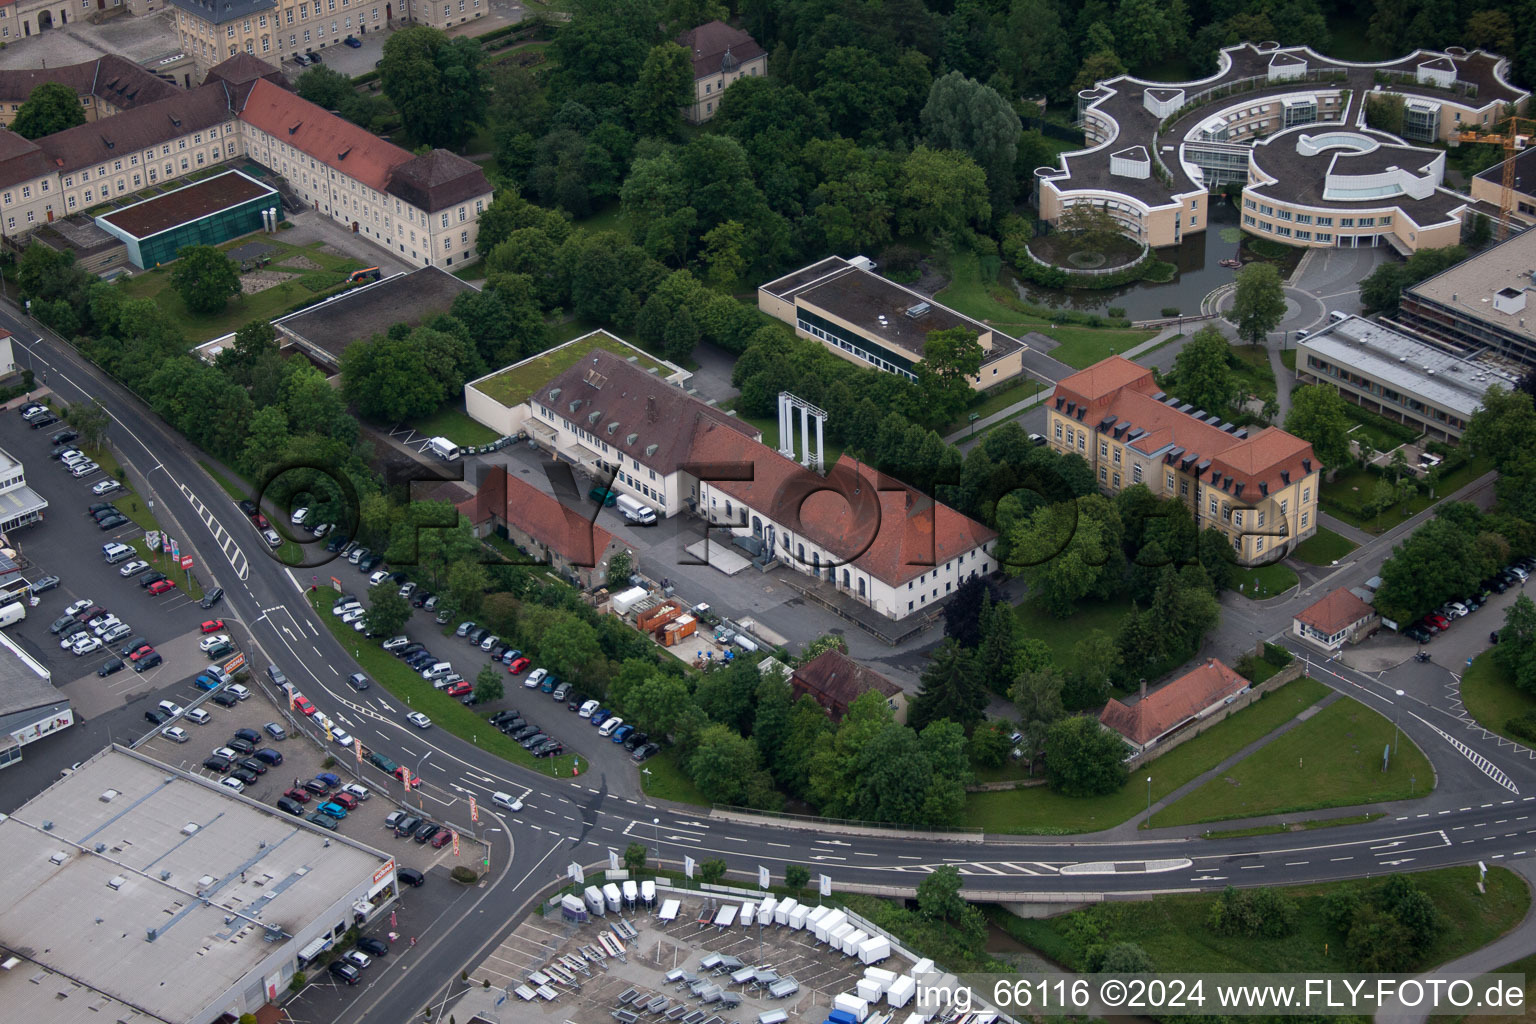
x=656, y=838
x=419, y=765
x=1395, y=717
x=1149, y=801
x=487, y=862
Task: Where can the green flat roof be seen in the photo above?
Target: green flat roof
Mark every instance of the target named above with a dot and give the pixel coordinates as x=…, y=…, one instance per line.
x=513, y=385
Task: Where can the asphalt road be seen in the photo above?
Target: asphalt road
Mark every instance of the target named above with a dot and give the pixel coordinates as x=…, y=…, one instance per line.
x=1481, y=809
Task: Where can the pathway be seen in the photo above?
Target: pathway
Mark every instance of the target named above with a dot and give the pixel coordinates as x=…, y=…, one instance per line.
x=1130, y=830
x=1345, y=530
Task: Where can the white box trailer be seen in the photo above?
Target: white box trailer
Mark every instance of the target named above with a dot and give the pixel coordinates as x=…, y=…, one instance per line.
x=879, y=975
x=648, y=893
x=595, y=901
x=631, y=893
x=867, y=990
x=615, y=901
x=922, y=967
x=783, y=909
x=765, y=910
x=873, y=950
x=829, y=921
x=625, y=600
x=748, y=914
x=851, y=1005
x=836, y=936
x=900, y=993
x=796, y=918
x=850, y=942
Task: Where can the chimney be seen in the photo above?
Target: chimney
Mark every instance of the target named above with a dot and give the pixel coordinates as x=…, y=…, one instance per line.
x=1143, y=687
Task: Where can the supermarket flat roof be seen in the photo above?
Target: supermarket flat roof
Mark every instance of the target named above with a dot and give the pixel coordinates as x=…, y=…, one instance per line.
x=126, y=848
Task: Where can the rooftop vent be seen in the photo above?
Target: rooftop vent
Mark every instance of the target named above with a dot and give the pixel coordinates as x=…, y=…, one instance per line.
x=921, y=309
x=59, y=858
x=165, y=876
x=206, y=881
x=107, y=796
x=101, y=847
x=190, y=828
x=574, y=405
x=116, y=882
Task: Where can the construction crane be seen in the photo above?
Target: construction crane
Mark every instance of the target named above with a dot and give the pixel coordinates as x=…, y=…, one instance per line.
x=1513, y=141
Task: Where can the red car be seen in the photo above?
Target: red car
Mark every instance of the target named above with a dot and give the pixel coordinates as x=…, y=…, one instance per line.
x=298, y=794
x=460, y=688
x=161, y=586
x=404, y=774
x=346, y=800
x=519, y=665
x=260, y=521
x=302, y=703
x=1440, y=621
x=442, y=839
x=212, y=626
x=141, y=652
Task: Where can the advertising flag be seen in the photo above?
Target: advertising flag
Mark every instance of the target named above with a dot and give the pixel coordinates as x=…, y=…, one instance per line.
x=762, y=877
x=613, y=859
x=474, y=809
x=576, y=873
x=455, y=844
x=688, y=866
x=826, y=885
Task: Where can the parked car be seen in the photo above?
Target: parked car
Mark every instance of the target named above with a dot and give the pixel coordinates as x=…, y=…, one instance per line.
x=276, y=731
x=1439, y=621
x=644, y=752
x=45, y=583
x=419, y=720
x=326, y=821
x=106, y=486
x=110, y=666
x=133, y=568
x=211, y=597
x=373, y=947
x=297, y=793
x=150, y=578
x=160, y=587
x=302, y=704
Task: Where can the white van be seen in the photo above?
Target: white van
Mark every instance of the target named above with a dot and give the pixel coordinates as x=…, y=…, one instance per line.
x=443, y=449
x=636, y=511
x=1336, y=317
x=115, y=553
x=436, y=671
x=507, y=800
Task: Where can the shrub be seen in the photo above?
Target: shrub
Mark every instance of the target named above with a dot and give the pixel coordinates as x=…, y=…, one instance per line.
x=1171, y=311
x=1116, y=312
x=463, y=874
x=1523, y=727
x=1277, y=656
x=298, y=981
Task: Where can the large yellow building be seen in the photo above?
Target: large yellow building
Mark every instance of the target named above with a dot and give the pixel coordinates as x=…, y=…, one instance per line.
x=1260, y=491
x=720, y=56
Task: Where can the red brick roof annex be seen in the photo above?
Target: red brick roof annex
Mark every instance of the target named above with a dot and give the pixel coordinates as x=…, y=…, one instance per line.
x=1173, y=703
x=838, y=678
x=1334, y=613
x=568, y=532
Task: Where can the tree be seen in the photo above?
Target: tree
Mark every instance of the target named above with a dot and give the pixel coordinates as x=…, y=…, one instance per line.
x=664, y=88
x=723, y=253
x=963, y=611
x=90, y=422
x=1258, y=305
x=620, y=567
x=390, y=379
x=50, y=107
x=1067, y=551
x=468, y=581
x=205, y=278
x=950, y=687
x=938, y=894
x=989, y=744
x=1126, y=958
x=1319, y=416
x=1517, y=637
x=711, y=871
x=1084, y=759
x=1203, y=371
x=1386, y=112
x=943, y=195
x=436, y=83
x=634, y=858
x=722, y=763
x=489, y=685
x=796, y=876
x=962, y=114
x=569, y=646
x=387, y=611
x=1438, y=562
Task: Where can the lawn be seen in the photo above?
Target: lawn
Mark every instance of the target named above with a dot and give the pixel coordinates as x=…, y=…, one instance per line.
x=1342, y=496
x=663, y=778
x=1038, y=810
x=1294, y=826
x=1288, y=357
x=1264, y=581
x=1250, y=366
x=1062, y=635
x=1324, y=547
x=161, y=561
x=1175, y=930
x=513, y=385
x=1333, y=759
x=1526, y=967
x=236, y=489
x=452, y=422
x=304, y=287
x=1492, y=698
x=611, y=218
x=990, y=303
x=995, y=401
x=446, y=712
x=1378, y=437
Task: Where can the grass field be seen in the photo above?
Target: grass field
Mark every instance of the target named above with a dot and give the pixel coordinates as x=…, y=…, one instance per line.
x=514, y=384
x=454, y=423
x=1333, y=759
x=662, y=777
x=1062, y=635
x=1288, y=358
x=991, y=303
x=446, y=712
x=236, y=489
x=1324, y=547
x=1175, y=930
x=1250, y=365
x=1342, y=495
x=1264, y=581
x=306, y=285
x=1492, y=697
x=1038, y=810
x=996, y=401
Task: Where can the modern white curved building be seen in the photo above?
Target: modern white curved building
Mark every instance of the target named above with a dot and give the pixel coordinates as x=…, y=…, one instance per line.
x=1289, y=124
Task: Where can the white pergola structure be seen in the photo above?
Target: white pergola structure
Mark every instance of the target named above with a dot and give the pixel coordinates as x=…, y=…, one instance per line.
x=788, y=404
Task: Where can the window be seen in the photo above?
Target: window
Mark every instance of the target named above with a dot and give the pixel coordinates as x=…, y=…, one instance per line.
x=1304, y=517
x=1367, y=222
x=1184, y=488
x=1117, y=479
x=1323, y=236
x=1346, y=222
x=1058, y=430
x=1136, y=474
x=1170, y=483
x=26, y=191
x=1261, y=519
x=1248, y=219
x=1284, y=215
x=1324, y=222
x=1117, y=456
x=1103, y=474
x=1303, y=234
x=1103, y=445
x=1266, y=226
x=1303, y=218
x=1306, y=495
x=1213, y=506
x=1260, y=545
x=1284, y=502
x=1070, y=437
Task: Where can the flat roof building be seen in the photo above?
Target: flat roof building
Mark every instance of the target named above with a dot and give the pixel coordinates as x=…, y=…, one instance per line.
x=325, y=330
x=1479, y=305
x=30, y=707
x=20, y=505
x=873, y=321
x=206, y=212
x=135, y=891
x=1428, y=387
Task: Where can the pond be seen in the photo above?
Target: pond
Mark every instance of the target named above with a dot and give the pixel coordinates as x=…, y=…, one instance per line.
x=1198, y=259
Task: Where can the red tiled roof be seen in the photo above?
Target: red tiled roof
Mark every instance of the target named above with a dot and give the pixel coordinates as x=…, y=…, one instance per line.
x=569, y=532
x=1172, y=704
x=884, y=526
x=21, y=159
x=1264, y=457
x=146, y=125
x=707, y=45
x=839, y=679
x=332, y=140
x=1104, y=378
x=1335, y=612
